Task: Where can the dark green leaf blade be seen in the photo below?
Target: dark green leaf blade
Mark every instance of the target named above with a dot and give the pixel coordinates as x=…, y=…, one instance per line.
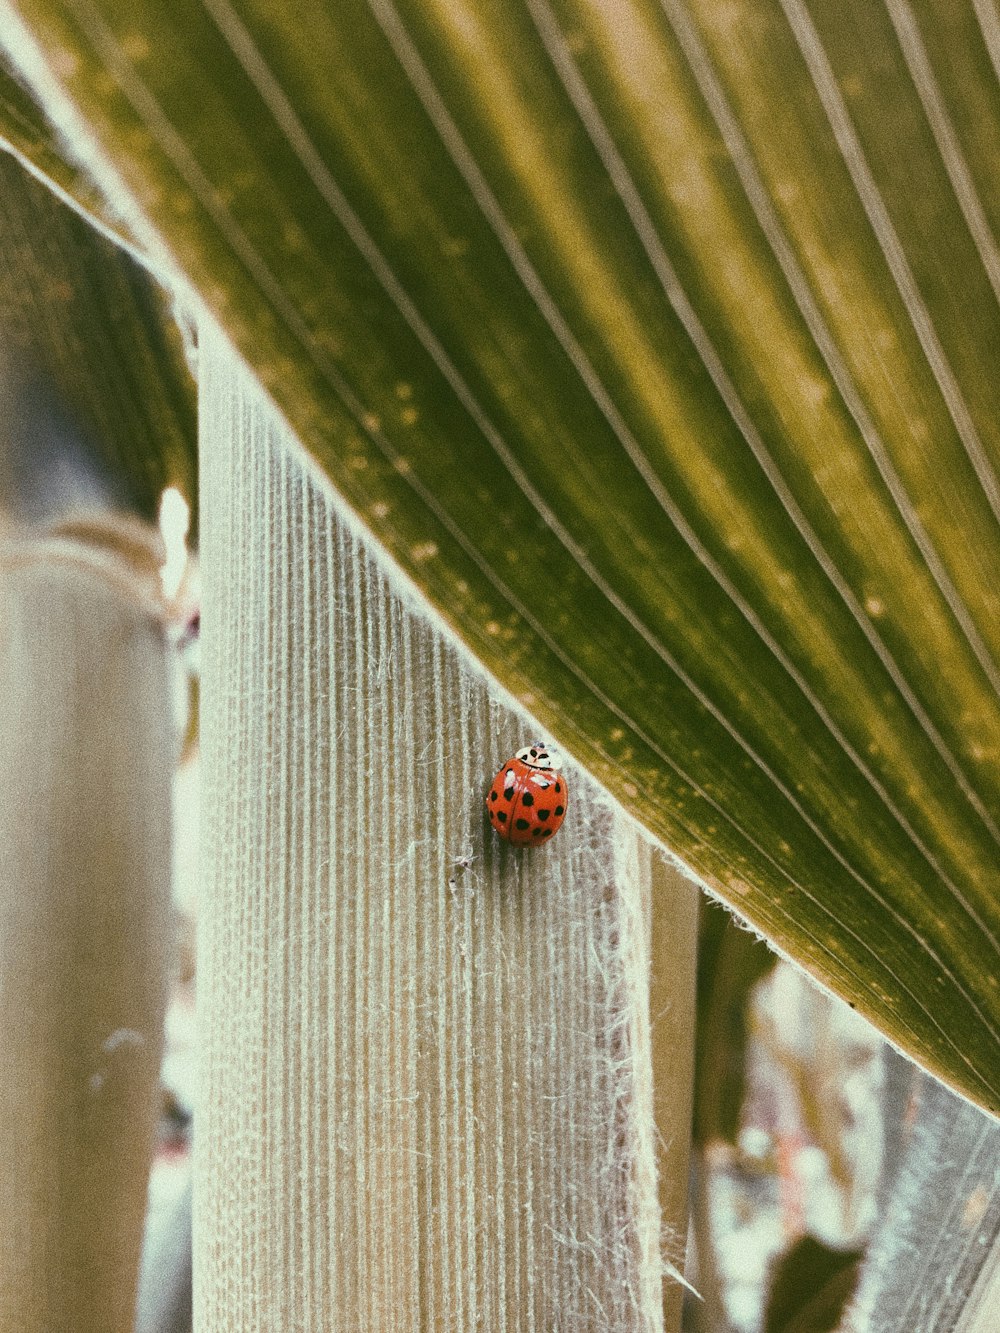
x=810, y=1287
x=98, y=400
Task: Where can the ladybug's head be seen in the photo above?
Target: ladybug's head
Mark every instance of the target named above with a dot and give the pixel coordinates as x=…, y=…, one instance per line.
x=539, y=755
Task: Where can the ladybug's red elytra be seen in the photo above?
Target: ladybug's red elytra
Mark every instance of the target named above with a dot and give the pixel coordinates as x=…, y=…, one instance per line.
x=528, y=797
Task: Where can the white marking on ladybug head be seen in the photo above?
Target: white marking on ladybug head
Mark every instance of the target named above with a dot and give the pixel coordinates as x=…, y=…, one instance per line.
x=539, y=755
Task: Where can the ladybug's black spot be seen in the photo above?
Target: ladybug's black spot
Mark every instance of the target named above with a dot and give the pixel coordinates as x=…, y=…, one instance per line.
x=543, y=814
x=501, y=816
x=509, y=794
x=494, y=794
x=520, y=823
x=559, y=811
x=546, y=832
x=537, y=833
x=527, y=799
x=558, y=788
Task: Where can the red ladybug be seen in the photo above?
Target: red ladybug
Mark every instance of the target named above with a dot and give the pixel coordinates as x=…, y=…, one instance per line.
x=528, y=797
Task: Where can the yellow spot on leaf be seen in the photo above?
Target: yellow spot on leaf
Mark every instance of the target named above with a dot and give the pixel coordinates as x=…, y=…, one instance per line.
x=135, y=46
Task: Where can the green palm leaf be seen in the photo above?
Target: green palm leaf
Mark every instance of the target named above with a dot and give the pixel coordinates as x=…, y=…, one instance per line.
x=656, y=341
